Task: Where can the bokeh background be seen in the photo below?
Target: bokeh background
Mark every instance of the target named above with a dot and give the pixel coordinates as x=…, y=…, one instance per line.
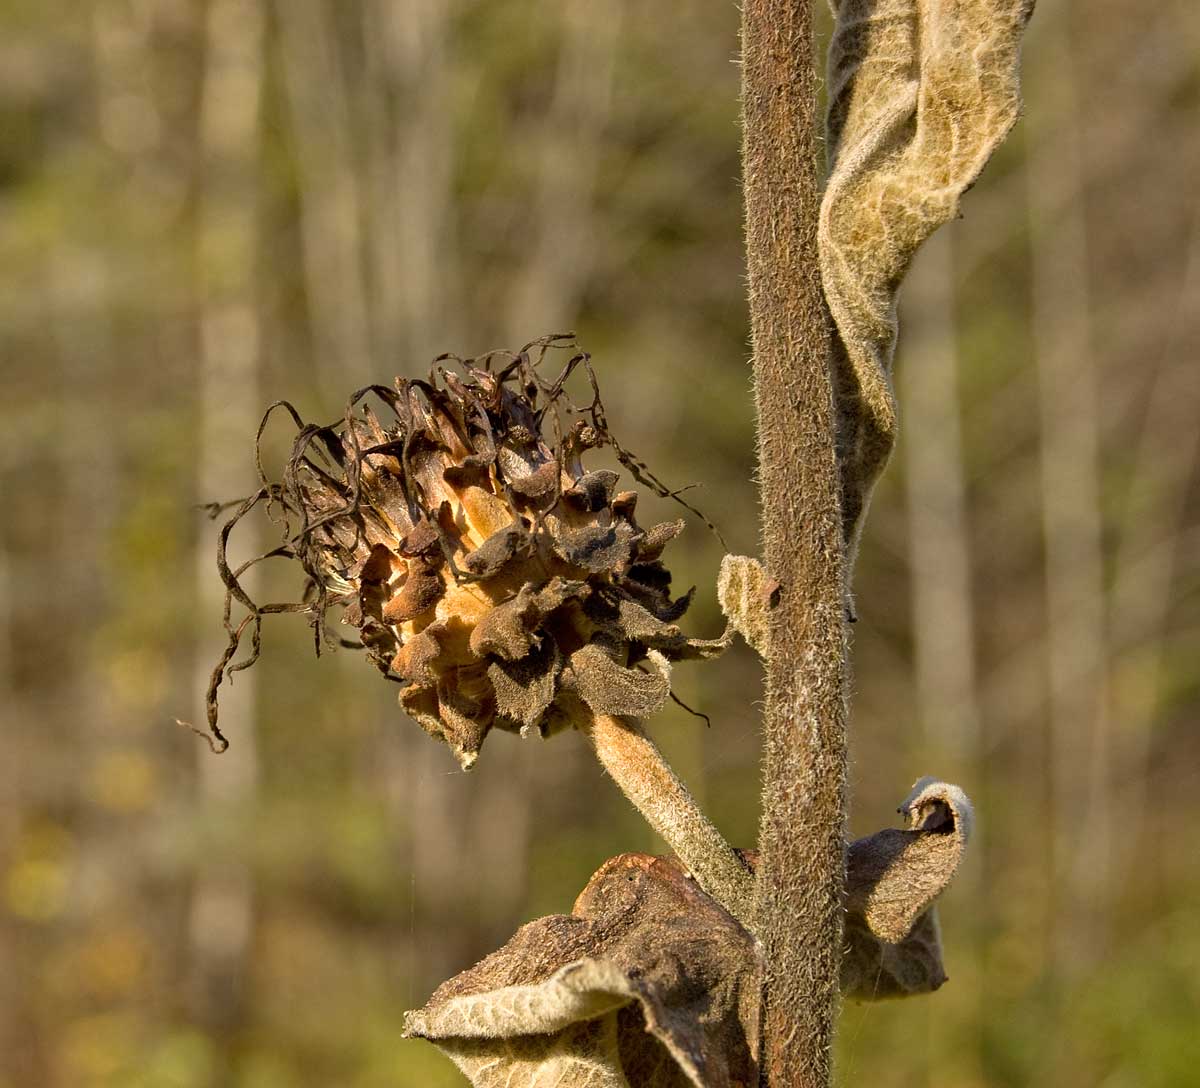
x=206, y=205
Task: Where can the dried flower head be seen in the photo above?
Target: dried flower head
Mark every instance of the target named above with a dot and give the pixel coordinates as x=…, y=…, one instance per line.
x=486, y=570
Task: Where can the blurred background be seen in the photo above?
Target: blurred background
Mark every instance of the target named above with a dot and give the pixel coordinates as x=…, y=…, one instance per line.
x=206, y=205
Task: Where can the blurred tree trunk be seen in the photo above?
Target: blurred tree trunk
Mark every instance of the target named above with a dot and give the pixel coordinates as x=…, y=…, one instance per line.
x=1154, y=541
x=1071, y=512
x=939, y=537
x=546, y=297
x=801, y=871
x=10, y=808
x=331, y=220
x=222, y=907
x=407, y=92
x=942, y=604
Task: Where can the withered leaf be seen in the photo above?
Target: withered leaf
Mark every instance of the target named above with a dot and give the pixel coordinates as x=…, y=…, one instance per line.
x=386, y=494
x=414, y=659
x=649, y=982
x=506, y=629
x=421, y=704
x=377, y=567
x=466, y=713
x=893, y=879
x=596, y=547
x=525, y=688
x=418, y=594
x=656, y=538
x=666, y=979
x=650, y=585
x=639, y=624
x=609, y=687
x=421, y=539
x=537, y=485
x=499, y=548
x=920, y=94
x=747, y=593
x=592, y=491
x=874, y=970
x=624, y=503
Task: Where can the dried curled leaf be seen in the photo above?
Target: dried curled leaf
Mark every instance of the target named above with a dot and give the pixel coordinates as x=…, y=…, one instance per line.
x=747, y=593
x=921, y=92
x=650, y=983
x=893, y=942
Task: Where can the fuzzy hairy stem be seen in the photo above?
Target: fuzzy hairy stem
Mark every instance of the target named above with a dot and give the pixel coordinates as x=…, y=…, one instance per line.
x=638, y=767
x=801, y=870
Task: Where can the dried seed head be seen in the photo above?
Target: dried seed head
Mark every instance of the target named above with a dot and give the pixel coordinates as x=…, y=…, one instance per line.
x=492, y=575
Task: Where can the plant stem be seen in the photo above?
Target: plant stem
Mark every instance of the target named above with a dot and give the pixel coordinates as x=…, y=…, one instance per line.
x=801, y=868
x=638, y=767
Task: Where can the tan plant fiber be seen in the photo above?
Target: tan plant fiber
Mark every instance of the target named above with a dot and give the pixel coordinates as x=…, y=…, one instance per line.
x=921, y=92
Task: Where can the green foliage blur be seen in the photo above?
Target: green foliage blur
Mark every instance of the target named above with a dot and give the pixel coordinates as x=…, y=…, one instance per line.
x=208, y=205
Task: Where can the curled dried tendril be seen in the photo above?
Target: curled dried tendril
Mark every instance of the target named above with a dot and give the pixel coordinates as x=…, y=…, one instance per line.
x=452, y=523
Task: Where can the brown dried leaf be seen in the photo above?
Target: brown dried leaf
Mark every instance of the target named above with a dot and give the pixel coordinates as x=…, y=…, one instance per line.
x=647, y=983
x=874, y=970
x=421, y=704
x=582, y=1055
x=467, y=709
x=507, y=629
x=421, y=539
x=638, y=624
x=526, y=688
x=419, y=594
x=592, y=491
x=747, y=593
x=609, y=687
x=893, y=879
x=657, y=537
x=414, y=659
x=536, y=486
x=596, y=548
x=499, y=548
x=921, y=92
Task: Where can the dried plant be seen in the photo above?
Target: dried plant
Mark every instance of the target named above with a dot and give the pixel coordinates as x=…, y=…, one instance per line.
x=648, y=982
x=487, y=572
x=485, y=569
x=501, y=584
x=920, y=94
